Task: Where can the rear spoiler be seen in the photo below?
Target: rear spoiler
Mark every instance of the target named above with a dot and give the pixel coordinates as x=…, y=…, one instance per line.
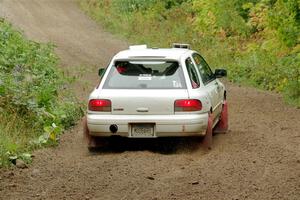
x=181, y=46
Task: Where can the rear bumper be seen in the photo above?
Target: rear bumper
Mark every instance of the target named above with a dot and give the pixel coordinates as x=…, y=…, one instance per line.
x=164, y=125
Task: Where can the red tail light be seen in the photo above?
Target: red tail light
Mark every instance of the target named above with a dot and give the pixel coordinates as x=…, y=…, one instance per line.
x=100, y=105
x=186, y=105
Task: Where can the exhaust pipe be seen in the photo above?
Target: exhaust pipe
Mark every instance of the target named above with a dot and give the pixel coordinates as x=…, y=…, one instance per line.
x=113, y=128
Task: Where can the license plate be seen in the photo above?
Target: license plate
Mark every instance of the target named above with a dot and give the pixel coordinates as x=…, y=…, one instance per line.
x=142, y=130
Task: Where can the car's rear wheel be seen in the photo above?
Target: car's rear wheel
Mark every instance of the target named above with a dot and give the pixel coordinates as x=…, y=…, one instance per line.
x=93, y=142
x=207, y=140
x=222, y=125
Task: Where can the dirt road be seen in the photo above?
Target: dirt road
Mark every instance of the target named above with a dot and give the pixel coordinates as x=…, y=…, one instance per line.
x=258, y=159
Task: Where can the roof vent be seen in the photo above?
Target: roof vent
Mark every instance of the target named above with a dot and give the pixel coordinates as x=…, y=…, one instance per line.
x=181, y=46
x=138, y=47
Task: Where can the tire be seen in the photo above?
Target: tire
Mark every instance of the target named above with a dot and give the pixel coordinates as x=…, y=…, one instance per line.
x=222, y=125
x=207, y=140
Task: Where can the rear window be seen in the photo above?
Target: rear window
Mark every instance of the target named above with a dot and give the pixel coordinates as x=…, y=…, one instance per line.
x=145, y=75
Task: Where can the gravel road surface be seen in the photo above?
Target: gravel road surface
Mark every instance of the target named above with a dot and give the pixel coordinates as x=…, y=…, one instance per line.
x=259, y=158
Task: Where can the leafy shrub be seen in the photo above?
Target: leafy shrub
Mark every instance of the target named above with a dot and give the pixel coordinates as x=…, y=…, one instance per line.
x=284, y=18
x=32, y=92
x=219, y=15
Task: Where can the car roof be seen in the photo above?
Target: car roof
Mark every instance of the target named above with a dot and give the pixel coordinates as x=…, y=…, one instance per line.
x=152, y=53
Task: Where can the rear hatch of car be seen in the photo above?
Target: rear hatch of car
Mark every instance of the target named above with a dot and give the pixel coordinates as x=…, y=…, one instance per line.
x=143, y=102
x=148, y=87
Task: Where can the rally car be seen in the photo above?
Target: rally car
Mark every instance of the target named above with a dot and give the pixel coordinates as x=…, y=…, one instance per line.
x=157, y=92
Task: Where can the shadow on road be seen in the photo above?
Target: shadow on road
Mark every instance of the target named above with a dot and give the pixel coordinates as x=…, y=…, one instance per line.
x=157, y=145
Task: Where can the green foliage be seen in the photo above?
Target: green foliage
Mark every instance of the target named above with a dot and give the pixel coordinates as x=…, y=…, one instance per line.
x=32, y=93
x=258, y=41
x=284, y=18
x=128, y=6
x=219, y=16
x=15, y=137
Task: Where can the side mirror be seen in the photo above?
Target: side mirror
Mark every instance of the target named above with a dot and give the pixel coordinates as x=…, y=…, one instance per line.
x=101, y=72
x=219, y=73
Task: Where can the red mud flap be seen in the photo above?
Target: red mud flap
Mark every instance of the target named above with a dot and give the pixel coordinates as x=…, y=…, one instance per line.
x=207, y=140
x=222, y=125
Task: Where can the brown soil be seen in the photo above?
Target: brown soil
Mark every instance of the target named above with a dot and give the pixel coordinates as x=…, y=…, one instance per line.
x=258, y=159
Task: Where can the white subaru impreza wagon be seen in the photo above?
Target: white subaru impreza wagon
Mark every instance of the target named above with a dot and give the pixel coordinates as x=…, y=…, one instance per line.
x=152, y=92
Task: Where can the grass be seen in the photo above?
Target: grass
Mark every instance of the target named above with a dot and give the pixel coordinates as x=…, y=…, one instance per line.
x=15, y=135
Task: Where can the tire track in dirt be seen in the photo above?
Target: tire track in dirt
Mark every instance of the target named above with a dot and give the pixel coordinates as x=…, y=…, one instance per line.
x=258, y=159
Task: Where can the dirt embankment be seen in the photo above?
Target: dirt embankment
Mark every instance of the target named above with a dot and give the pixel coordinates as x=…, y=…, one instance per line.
x=258, y=159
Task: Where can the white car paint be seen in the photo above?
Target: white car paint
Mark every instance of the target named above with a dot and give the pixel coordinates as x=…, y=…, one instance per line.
x=155, y=106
